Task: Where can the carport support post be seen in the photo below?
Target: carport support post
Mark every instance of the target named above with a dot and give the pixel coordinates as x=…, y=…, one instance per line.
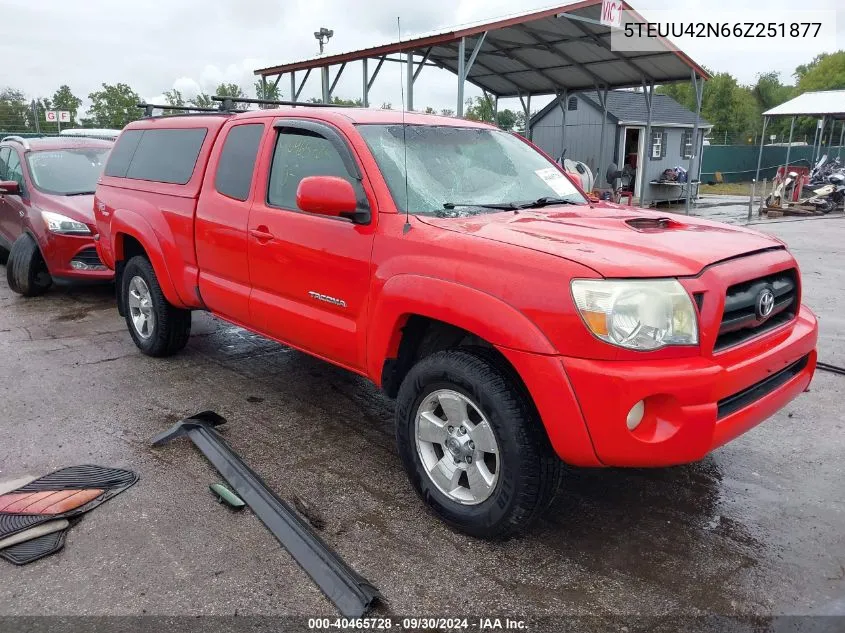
x=409, y=79
x=762, y=141
x=603, y=97
x=841, y=138
x=324, y=76
x=698, y=86
x=293, y=86
x=561, y=102
x=789, y=146
x=648, y=93
x=462, y=56
x=365, y=92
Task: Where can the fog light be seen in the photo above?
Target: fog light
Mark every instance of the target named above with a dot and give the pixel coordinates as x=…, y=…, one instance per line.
x=78, y=265
x=635, y=415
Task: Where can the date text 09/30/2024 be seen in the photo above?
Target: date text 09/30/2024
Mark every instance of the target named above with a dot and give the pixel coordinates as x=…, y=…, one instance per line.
x=417, y=623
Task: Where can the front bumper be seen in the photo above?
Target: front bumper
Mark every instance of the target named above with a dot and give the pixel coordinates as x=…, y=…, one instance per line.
x=584, y=403
x=63, y=255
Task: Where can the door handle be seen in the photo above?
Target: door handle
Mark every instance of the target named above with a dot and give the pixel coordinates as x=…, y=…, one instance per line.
x=261, y=233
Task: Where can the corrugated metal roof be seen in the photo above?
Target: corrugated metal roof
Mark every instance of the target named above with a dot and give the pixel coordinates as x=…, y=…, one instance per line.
x=627, y=106
x=539, y=52
x=825, y=102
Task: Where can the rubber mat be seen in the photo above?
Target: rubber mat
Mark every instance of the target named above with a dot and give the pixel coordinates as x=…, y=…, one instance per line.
x=35, y=532
x=65, y=493
x=36, y=548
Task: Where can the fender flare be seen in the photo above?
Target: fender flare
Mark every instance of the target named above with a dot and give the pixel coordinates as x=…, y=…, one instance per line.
x=129, y=223
x=475, y=311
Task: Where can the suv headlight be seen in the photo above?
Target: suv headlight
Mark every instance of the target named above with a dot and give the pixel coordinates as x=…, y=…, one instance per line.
x=57, y=223
x=640, y=315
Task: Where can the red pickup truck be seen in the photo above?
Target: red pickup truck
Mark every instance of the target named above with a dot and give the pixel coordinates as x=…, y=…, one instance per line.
x=519, y=324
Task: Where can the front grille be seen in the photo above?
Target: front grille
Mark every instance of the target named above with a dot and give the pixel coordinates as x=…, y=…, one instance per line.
x=743, y=398
x=740, y=321
x=88, y=256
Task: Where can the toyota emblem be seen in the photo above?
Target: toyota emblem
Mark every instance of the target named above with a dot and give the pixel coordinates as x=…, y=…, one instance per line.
x=765, y=304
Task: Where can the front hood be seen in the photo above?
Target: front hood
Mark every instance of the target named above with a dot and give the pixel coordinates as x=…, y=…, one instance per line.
x=603, y=238
x=79, y=208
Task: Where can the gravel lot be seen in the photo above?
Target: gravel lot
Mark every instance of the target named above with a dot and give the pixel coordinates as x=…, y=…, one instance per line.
x=756, y=528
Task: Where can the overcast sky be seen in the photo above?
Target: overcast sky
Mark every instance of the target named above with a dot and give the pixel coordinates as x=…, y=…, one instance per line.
x=155, y=45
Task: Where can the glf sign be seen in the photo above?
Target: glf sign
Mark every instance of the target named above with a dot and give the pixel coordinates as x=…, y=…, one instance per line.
x=63, y=116
x=611, y=13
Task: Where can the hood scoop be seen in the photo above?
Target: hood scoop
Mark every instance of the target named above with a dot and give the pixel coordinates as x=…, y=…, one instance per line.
x=649, y=225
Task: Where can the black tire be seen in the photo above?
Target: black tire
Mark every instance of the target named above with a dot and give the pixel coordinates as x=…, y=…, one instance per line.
x=171, y=325
x=26, y=270
x=528, y=471
x=4, y=256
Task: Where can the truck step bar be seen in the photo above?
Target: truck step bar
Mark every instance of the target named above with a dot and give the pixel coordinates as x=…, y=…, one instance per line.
x=352, y=594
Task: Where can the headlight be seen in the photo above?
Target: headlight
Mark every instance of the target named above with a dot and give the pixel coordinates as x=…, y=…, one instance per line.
x=57, y=223
x=641, y=315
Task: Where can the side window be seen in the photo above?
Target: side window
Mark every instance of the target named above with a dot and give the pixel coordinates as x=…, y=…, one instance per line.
x=298, y=154
x=686, y=144
x=237, y=161
x=4, y=158
x=122, y=153
x=658, y=144
x=15, y=170
x=167, y=155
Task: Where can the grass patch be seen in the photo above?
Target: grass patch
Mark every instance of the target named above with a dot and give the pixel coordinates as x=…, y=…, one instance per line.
x=728, y=189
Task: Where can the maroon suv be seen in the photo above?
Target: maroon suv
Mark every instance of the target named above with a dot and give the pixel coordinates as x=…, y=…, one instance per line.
x=46, y=211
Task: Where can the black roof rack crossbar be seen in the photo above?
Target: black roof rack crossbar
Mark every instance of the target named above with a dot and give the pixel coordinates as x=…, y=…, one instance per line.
x=227, y=103
x=149, y=107
x=351, y=594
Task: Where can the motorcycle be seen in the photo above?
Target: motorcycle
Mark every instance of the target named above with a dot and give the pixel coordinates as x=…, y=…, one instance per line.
x=782, y=191
x=828, y=197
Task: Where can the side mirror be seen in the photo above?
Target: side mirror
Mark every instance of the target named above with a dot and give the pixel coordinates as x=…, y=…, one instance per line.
x=330, y=195
x=10, y=187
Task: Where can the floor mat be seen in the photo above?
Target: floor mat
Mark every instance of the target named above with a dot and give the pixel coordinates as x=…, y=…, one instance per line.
x=65, y=493
x=35, y=532
x=36, y=548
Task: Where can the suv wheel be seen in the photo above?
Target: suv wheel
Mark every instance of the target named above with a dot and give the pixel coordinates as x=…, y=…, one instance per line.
x=472, y=445
x=157, y=327
x=26, y=270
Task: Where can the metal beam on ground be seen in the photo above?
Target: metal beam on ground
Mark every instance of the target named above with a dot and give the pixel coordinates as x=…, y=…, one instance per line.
x=698, y=88
x=648, y=93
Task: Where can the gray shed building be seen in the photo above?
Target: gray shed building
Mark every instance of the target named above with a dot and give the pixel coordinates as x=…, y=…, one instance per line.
x=670, y=145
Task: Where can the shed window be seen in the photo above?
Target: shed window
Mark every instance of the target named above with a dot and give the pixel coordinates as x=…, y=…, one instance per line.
x=658, y=144
x=572, y=104
x=686, y=144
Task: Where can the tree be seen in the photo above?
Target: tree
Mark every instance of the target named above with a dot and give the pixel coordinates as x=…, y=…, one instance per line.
x=387, y=105
x=447, y=112
x=64, y=99
x=825, y=72
x=15, y=113
x=114, y=106
x=202, y=100
x=479, y=109
x=506, y=119
x=430, y=110
x=267, y=90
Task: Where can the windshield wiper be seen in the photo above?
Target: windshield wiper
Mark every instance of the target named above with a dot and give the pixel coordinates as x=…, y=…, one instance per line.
x=81, y=193
x=506, y=206
x=545, y=202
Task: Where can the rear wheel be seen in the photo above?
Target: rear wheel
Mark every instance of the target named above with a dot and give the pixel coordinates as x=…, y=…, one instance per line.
x=473, y=445
x=26, y=270
x=157, y=327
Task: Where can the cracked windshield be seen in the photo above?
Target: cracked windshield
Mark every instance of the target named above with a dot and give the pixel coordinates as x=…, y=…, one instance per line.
x=458, y=172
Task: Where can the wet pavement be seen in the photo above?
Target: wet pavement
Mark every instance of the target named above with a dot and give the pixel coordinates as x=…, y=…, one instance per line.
x=756, y=528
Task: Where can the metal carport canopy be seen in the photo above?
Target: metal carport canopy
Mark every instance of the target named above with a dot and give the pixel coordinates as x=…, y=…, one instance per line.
x=534, y=53
x=830, y=103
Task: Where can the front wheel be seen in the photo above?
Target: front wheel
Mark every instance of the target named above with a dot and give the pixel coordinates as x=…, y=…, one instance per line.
x=473, y=446
x=157, y=327
x=26, y=270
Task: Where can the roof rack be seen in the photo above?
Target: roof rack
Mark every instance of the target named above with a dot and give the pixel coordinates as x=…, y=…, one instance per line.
x=149, y=107
x=18, y=139
x=227, y=103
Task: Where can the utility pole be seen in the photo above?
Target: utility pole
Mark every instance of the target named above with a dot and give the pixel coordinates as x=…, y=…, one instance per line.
x=37, y=124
